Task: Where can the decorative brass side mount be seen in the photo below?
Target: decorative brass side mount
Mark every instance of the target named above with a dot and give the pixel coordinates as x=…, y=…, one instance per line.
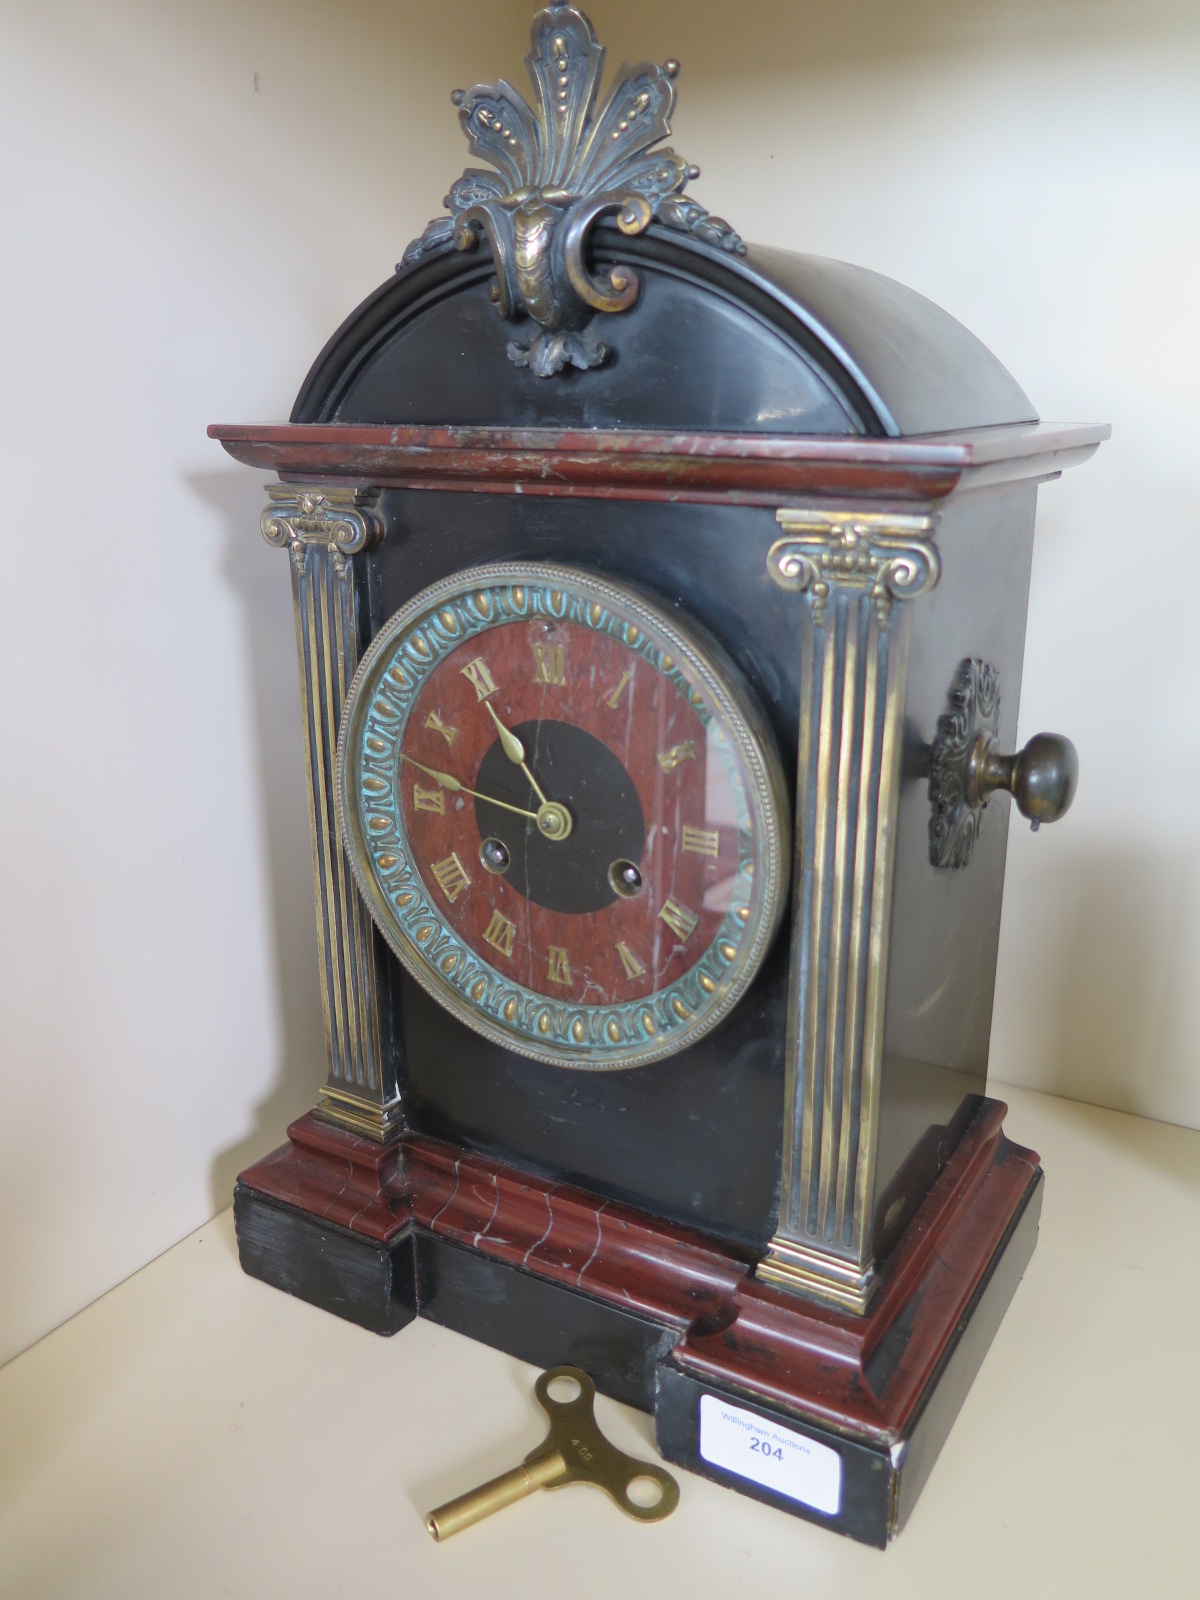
x=560, y=165
x=966, y=769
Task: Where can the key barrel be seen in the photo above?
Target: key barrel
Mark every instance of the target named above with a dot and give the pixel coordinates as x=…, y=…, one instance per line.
x=503, y=1491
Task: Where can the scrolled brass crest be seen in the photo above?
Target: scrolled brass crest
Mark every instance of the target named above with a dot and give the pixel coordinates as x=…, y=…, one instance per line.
x=889, y=555
x=560, y=165
x=342, y=520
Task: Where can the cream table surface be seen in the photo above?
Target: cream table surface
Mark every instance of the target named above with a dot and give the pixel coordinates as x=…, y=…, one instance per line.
x=195, y=1433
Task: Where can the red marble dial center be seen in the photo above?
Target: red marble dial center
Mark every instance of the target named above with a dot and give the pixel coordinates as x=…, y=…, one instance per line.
x=586, y=843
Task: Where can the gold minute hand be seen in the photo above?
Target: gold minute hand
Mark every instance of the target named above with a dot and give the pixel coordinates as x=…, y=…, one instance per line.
x=515, y=751
x=447, y=780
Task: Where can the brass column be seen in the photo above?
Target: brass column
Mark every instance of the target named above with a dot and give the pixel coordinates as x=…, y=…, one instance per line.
x=326, y=531
x=852, y=570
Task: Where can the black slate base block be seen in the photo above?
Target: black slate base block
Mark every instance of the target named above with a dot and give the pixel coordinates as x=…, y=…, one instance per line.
x=876, y=1476
x=365, y=1282
x=540, y=1322
x=866, y=1472
x=964, y=1357
x=879, y=1484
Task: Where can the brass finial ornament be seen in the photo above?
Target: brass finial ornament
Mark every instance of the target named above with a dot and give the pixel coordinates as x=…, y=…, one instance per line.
x=560, y=165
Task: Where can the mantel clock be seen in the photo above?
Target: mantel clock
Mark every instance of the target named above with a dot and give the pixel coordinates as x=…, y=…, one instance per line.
x=660, y=605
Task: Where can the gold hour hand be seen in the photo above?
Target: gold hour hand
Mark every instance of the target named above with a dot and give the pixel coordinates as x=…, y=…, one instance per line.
x=447, y=780
x=515, y=751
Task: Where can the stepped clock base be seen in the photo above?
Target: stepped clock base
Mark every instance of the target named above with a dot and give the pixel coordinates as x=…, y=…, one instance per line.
x=834, y=1417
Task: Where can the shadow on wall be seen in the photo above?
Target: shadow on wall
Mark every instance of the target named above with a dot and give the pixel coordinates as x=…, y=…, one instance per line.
x=1106, y=994
x=261, y=579
x=780, y=38
x=765, y=42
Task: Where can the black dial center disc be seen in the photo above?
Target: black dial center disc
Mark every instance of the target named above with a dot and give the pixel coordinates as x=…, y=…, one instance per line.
x=576, y=769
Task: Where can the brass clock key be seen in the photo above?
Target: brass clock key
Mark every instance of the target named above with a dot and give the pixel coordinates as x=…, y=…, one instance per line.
x=574, y=1451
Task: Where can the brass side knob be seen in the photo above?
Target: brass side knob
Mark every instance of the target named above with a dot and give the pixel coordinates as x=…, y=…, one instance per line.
x=1041, y=778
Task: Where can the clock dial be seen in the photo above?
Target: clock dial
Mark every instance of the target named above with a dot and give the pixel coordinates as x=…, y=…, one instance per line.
x=564, y=814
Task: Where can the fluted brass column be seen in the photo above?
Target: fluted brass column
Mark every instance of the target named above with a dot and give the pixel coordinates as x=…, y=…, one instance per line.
x=327, y=531
x=851, y=572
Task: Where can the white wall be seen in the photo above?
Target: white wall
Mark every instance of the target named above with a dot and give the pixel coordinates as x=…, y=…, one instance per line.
x=194, y=195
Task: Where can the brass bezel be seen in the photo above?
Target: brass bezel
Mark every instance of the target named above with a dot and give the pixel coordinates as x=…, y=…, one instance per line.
x=706, y=666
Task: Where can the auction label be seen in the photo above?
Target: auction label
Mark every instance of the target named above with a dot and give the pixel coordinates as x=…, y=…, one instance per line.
x=776, y=1457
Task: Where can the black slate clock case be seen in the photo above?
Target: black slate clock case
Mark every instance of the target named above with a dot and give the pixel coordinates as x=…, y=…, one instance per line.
x=768, y=343
x=809, y=1219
